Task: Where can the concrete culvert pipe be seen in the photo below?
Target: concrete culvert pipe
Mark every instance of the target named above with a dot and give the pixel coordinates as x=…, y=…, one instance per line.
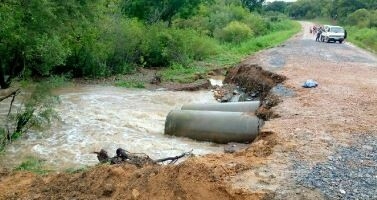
x=213, y=126
x=247, y=106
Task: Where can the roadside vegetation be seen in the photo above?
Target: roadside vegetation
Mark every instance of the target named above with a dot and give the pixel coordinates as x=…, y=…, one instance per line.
x=30, y=105
x=101, y=38
x=45, y=43
x=359, y=17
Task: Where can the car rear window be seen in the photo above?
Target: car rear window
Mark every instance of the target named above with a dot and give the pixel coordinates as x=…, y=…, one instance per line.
x=336, y=30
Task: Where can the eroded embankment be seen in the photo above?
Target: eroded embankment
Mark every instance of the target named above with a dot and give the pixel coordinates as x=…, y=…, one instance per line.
x=206, y=177
x=257, y=83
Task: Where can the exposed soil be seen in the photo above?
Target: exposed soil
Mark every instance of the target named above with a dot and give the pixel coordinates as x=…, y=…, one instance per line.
x=313, y=124
x=253, y=78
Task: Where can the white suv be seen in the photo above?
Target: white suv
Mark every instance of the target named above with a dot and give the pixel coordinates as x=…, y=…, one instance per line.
x=332, y=33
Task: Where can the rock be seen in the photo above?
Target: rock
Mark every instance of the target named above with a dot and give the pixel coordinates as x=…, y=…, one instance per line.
x=135, y=194
x=310, y=84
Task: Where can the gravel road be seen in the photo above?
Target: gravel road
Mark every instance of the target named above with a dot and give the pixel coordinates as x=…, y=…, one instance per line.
x=327, y=135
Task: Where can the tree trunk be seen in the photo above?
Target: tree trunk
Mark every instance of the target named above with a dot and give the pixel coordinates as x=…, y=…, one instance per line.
x=3, y=83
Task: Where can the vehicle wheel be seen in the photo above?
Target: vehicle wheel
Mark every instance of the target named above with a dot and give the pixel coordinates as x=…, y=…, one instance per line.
x=340, y=41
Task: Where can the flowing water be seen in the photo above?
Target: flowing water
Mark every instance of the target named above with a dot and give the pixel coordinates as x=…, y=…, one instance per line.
x=95, y=117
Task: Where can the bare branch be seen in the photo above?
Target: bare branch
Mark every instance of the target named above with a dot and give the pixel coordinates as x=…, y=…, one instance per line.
x=14, y=92
x=139, y=160
x=175, y=158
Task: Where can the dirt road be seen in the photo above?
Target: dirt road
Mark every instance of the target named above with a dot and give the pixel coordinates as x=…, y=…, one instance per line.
x=327, y=135
x=323, y=145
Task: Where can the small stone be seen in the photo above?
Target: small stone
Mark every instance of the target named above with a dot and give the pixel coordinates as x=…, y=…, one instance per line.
x=367, y=147
x=342, y=191
x=135, y=194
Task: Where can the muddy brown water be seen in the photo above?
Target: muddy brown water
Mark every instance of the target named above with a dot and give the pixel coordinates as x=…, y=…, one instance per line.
x=95, y=117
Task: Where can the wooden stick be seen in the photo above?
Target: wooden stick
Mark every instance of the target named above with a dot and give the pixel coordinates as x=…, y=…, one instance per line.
x=14, y=92
x=173, y=159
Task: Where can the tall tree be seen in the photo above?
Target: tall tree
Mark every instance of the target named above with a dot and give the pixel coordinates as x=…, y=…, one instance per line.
x=154, y=11
x=276, y=6
x=253, y=5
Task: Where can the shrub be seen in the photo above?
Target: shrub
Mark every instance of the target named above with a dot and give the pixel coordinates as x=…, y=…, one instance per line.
x=359, y=18
x=256, y=23
x=234, y=32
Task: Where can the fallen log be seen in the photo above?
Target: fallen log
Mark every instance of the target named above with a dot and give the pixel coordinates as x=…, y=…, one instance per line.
x=137, y=159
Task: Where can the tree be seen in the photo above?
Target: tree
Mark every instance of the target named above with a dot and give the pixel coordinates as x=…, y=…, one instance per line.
x=36, y=36
x=276, y=6
x=154, y=11
x=360, y=18
x=253, y=5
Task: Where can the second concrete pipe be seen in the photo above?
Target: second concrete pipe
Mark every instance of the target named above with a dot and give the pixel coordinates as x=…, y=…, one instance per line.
x=245, y=106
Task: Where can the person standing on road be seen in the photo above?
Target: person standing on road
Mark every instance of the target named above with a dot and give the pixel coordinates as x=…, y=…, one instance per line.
x=317, y=39
x=345, y=35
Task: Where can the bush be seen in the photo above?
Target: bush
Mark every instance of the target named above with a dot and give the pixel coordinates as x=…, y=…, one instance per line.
x=359, y=18
x=364, y=37
x=164, y=46
x=201, y=46
x=234, y=32
x=256, y=23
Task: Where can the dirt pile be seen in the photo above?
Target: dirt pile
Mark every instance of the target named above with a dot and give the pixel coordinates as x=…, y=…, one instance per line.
x=257, y=84
x=254, y=79
x=196, y=178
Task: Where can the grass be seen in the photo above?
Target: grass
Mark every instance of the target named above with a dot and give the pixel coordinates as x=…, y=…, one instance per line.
x=182, y=74
x=365, y=38
x=32, y=164
x=230, y=54
x=130, y=84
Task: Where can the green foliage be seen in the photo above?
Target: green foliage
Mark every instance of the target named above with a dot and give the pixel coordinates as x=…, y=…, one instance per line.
x=94, y=38
x=360, y=18
x=335, y=9
x=130, y=84
x=3, y=138
x=214, y=17
x=155, y=11
x=234, y=32
x=276, y=6
x=182, y=74
x=364, y=37
x=32, y=164
x=34, y=111
x=253, y=5
x=288, y=28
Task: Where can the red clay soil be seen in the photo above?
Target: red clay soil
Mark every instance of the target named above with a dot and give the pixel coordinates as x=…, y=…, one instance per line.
x=196, y=178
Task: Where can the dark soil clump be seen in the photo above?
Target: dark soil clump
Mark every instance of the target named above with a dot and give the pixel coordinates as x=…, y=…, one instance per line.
x=254, y=79
x=257, y=82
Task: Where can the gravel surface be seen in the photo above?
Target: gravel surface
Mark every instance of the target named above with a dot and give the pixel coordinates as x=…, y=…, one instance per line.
x=350, y=173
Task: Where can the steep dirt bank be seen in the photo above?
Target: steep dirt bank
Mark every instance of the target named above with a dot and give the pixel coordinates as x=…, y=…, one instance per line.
x=313, y=125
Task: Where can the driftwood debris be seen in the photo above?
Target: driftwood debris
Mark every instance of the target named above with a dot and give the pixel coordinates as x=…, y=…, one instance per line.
x=137, y=159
